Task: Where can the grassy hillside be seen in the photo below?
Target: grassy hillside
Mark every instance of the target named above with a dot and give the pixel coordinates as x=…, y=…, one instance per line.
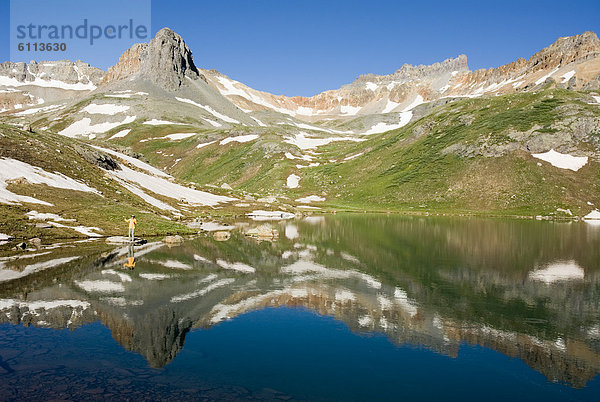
x=475, y=155
x=468, y=156
x=55, y=153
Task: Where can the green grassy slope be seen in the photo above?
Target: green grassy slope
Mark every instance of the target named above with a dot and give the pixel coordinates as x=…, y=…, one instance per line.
x=55, y=153
x=469, y=156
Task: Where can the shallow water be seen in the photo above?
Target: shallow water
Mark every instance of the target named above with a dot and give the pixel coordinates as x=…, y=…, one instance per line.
x=352, y=307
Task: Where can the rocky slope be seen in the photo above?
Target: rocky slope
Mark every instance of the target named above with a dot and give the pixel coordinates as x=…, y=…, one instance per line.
x=570, y=62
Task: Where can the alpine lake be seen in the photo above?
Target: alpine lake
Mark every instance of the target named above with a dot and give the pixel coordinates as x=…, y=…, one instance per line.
x=336, y=307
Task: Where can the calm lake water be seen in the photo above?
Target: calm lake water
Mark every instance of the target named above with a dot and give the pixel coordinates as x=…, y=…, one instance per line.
x=346, y=307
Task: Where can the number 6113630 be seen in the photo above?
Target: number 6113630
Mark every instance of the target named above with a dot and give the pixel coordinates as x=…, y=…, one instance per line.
x=42, y=47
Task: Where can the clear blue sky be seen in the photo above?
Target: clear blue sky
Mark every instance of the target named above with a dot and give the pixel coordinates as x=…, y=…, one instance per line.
x=303, y=47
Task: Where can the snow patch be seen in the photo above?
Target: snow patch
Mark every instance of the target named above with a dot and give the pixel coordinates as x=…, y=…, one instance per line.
x=594, y=215
x=40, y=216
x=40, y=110
x=542, y=79
x=562, y=161
x=134, y=161
x=567, y=76
x=11, y=169
x=205, y=144
x=156, y=122
x=391, y=105
x=121, y=134
x=179, y=136
x=302, y=141
x=40, y=82
x=293, y=181
x=310, y=198
x=84, y=127
x=107, y=109
x=209, y=110
x=9, y=274
x=239, y=138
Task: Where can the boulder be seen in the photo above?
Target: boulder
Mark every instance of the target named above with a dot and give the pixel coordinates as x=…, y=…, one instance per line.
x=263, y=232
x=221, y=235
x=173, y=240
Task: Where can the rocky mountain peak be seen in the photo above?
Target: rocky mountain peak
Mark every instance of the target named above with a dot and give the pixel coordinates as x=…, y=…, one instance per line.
x=408, y=71
x=568, y=49
x=166, y=61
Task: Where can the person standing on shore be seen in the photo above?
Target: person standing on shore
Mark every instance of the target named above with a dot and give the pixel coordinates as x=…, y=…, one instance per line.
x=132, y=222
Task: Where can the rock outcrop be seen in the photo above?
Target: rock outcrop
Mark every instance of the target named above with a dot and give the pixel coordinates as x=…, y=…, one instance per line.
x=166, y=61
x=64, y=71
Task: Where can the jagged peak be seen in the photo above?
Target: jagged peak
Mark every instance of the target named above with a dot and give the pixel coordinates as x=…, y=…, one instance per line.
x=568, y=49
x=410, y=72
x=166, y=61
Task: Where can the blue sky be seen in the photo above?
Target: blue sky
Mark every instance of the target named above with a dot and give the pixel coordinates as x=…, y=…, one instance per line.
x=304, y=47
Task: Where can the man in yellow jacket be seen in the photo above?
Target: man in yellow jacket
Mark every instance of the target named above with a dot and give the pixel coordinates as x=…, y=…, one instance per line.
x=132, y=222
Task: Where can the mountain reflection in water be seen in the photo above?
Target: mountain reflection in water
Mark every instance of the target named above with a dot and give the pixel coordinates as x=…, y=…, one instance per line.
x=525, y=289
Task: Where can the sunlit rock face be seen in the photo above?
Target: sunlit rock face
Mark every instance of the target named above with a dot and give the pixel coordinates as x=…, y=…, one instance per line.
x=432, y=283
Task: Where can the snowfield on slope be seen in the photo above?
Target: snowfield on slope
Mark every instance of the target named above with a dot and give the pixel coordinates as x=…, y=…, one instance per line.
x=155, y=122
x=39, y=82
x=158, y=183
x=11, y=169
x=85, y=127
x=562, y=161
x=179, y=136
x=121, y=134
x=310, y=198
x=209, y=110
x=303, y=141
x=107, y=108
x=239, y=138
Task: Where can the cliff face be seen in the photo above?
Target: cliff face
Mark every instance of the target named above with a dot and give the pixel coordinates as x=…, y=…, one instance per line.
x=165, y=61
